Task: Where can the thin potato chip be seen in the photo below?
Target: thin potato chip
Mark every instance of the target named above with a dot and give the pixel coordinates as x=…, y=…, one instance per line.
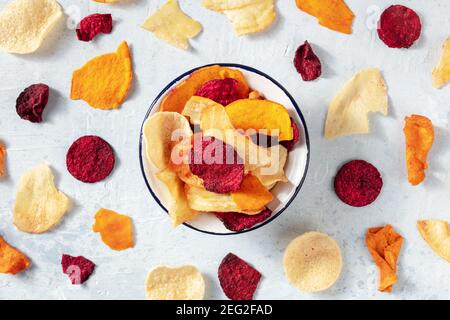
x=104, y=82
x=437, y=234
x=252, y=196
x=181, y=283
x=39, y=205
x=348, y=111
x=12, y=261
x=441, y=73
x=273, y=173
x=116, y=230
x=2, y=159
x=24, y=24
x=194, y=107
x=222, y=5
x=172, y=25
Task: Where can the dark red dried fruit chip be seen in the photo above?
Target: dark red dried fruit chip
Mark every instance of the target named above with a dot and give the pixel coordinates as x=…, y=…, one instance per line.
x=223, y=91
x=31, y=102
x=217, y=163
x=307, y=63
x=399, y=27
x=93, y=25
x=90, y=159
x=236, y=221
x=290, y=144
x=79, y=269
x=358, y=183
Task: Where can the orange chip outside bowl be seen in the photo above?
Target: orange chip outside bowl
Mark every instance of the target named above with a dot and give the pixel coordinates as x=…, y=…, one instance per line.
x=12, y=261
x=116, y=230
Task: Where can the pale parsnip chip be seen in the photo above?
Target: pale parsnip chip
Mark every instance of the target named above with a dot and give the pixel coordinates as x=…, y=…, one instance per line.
x=441, y=73
x=194, y=107
x=24, y=24
x=172, y=25
x=39, y=205
x=273, y=173
x=252, y=18
x=348, y=111
x=437, y=234
x=181, y=283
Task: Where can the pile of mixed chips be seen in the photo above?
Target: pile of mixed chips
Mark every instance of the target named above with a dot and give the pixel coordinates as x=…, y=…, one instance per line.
x=219, y=147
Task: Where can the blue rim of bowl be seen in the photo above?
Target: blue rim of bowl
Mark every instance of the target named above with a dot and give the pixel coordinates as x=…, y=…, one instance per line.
x=297, y=109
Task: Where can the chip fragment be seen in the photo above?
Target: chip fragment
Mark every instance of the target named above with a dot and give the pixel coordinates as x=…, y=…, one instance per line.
x=307, y=63
x=172, y=25
x=12, y=261
x=290, y=144
x=437, y=234
x=24, y=24
x=252, y=196
x=384, y=245
x=31, y=102
x=223, y=91
x=93, y=25
x=79, y=269
x=2, y=159
x=312, y=262
x=235, y=221
x=104, y=82
x=238, y=279
x=116, y=230
x=179, y=283
x=39, y=205
x=90, y=159
x=441, y=73
x=419, y=136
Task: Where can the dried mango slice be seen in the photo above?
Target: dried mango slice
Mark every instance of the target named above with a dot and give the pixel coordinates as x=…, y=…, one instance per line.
x=384, y=245
x=12, y=261
x=261, y=115
x=2, y=159
x=116, y=230
x=437, y=234
x=419, y=135
x=332, y=14
x=172, y=25
x=104, y=82
x=177, y=98
x=441, y=73
x=252, y=196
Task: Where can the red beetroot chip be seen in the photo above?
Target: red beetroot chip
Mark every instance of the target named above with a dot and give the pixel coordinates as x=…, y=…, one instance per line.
x=79, y=269
x=93, y=25
x=236, y=221
x=218, y=164
x=290, y=144
x=358, y=183
x=31, y=102
x=223, y=91
x=307, y=63
x=90, y=159
x=399, y=27
x=238, y=279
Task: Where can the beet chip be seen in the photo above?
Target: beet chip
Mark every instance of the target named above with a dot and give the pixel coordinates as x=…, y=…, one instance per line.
x=236, y=221
x=399, y=27
x=238, y=279
x=358, y=183
x=307, y=63
x=218, y=164
x=79, y=269
x=93, y=25
x=31, y=102
x=223, y=91
x=290, y=144
x=90, y=159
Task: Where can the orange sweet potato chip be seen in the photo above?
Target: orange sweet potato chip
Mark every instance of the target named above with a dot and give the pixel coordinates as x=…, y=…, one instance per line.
x=115, y=229
x=384, y=245
x=261, y=114
x=176, y=99
x=333, y=14
x=12, y=260
x=104, y=81
x=419, y=135
x=2, y=160
x=252, y=196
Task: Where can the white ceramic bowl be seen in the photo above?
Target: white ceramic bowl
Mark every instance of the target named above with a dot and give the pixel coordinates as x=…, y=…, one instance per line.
x=296, y=167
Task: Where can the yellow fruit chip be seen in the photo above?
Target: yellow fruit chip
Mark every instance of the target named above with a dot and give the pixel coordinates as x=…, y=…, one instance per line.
x=172, y=25
x=252, y=196
x=12, y=261
x=348, y=111
x=24, y=24
x=441, y=73
x=116, y=230
x=181, y=283
x=104, y=82
x=39, y=205
x=437, y=234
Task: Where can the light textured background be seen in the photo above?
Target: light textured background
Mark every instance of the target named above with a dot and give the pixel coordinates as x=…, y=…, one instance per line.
x=121, y=275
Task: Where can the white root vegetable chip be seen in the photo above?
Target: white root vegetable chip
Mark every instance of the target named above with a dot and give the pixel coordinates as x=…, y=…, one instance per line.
x=441, y=73
x=349, y=110
x=437, y=234
x=39, y=205
x=24, y=24
x=181, y=283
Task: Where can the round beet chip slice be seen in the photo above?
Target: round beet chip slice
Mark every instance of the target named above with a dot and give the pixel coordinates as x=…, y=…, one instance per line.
x=223, y=91
x=399, y=27
x=31, y=102
x=237, y=278
x=90, y=159
x=358, y=183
